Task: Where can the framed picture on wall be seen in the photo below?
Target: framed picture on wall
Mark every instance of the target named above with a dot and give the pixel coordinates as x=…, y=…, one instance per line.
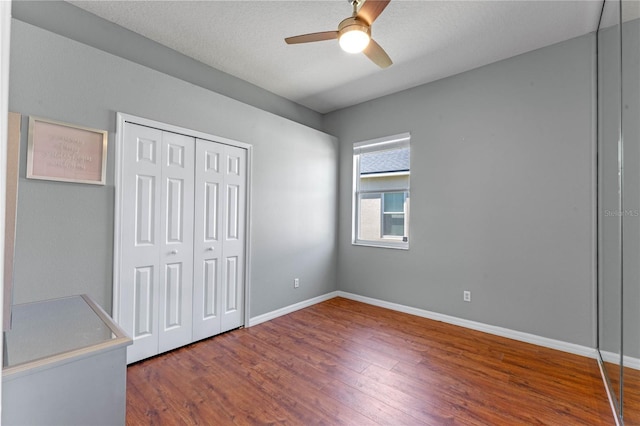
x=66, y=152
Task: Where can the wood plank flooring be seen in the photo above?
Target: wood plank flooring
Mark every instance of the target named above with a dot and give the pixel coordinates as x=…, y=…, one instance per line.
x=631, y=410
x=344, y=362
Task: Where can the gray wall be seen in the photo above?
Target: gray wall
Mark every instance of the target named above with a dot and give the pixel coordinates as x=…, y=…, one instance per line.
x=65, y=231
x=502, y=193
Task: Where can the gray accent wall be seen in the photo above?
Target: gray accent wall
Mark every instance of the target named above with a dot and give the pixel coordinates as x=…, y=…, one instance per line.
x=502, y=194
x=64, y=238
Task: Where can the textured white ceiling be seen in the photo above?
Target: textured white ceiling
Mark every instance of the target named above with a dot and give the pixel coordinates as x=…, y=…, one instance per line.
x=427, y=40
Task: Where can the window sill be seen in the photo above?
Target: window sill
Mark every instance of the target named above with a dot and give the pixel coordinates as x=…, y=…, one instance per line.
x=380, y=244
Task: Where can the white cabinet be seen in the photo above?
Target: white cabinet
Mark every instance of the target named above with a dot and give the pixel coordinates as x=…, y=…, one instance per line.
x=180, y=239
x=64, y=364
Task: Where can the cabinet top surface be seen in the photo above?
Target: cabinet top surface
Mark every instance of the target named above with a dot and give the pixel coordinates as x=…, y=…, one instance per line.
x=48, y=331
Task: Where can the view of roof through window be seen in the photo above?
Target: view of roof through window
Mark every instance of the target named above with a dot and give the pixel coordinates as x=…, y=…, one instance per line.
x=393, y=160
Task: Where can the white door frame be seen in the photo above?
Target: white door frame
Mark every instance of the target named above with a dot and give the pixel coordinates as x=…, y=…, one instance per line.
x=121, y=119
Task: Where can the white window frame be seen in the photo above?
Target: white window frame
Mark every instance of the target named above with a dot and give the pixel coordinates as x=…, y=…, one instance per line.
x=390, y=142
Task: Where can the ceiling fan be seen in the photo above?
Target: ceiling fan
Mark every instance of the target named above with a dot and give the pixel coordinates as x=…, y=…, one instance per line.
x=354, y=32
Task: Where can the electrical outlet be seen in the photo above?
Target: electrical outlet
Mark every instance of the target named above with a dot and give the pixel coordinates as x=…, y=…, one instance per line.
x=296, y=282
x=466, y=295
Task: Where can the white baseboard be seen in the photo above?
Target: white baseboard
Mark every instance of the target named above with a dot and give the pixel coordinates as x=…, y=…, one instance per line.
x=491, y=329
x=614, y=358
x=486, y=328
x=291, y=308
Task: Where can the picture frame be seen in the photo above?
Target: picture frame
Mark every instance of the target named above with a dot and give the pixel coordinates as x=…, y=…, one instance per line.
x=66, y=152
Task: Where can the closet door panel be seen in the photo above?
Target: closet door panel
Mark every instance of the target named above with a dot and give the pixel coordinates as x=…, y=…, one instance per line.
x=234, y=213
x=207, y=241
x=176, y=253
x=141, y=239
x=209, y=293
x=143, y=321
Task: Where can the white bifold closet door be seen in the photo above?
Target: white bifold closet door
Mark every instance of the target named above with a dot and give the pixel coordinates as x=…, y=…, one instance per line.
x=182, y=250
x=219, y=238
x=157, y=227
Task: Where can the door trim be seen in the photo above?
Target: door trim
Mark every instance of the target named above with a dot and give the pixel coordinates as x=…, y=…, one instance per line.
x=121, y=120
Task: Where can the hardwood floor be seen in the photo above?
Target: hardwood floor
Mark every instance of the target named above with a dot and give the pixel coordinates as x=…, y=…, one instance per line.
x=344, y=362
x=631, y=410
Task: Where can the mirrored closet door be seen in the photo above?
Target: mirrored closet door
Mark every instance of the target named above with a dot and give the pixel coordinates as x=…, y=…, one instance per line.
x=618, y=70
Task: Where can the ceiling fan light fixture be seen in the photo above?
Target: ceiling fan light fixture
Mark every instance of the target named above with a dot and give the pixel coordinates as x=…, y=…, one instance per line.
x=354, y=41
x=354, y=35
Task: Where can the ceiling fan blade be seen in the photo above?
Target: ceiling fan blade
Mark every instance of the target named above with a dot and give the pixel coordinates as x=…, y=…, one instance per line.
x=377, y=54
x=308, y=38
x=372, y=9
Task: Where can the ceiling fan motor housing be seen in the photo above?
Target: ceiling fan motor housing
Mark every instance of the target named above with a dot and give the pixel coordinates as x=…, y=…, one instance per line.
x=353, y=24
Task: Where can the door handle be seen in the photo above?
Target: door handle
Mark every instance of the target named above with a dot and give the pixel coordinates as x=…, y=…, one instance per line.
x=211, y=248
x=174, y=252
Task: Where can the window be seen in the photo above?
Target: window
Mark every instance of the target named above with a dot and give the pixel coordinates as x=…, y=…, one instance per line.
x=381, y=192
x=393, y=213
